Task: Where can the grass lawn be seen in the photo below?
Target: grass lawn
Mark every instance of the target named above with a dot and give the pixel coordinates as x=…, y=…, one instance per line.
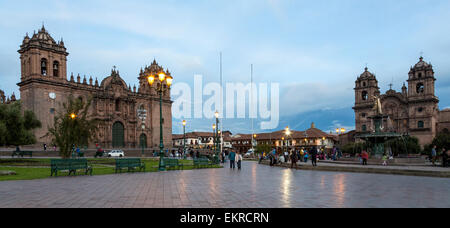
x=38, y=168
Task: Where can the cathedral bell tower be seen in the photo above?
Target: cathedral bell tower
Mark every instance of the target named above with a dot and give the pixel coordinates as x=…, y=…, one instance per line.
x=43, y=58
x=423, y=104
x=421, y=81
x=366, y=87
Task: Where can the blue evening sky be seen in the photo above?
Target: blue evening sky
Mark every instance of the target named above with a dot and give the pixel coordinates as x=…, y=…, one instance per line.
x=314, y=49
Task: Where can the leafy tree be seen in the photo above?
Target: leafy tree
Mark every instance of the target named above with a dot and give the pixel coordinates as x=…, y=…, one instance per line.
x=263, y=148
x=404, y=145
x=441, y=141
x=354, y=148
x=16, y=127
x=73, y=126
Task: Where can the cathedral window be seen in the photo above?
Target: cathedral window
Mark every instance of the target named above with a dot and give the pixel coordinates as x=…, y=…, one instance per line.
x=117, y=105
x=364, y=84
x=420, y=124
x=420, y=75
x=364, y=127
x=420, y=88
x=365, y=95
x=56, y=68
x=44, y=67
x=420, y=109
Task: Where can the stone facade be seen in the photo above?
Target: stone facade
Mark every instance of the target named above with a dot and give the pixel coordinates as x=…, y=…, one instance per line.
x=44, y=87
x=413, y=111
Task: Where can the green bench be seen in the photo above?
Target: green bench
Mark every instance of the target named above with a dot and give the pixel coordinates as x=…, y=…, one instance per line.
x=129, y=163
x=71, y=165
x=202, y=162
x=172, y=163
x=22, y=153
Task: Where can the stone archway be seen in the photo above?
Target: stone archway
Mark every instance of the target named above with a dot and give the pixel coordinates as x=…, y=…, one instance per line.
x=118, y=135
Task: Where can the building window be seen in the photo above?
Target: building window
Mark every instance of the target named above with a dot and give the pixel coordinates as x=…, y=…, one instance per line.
x=420, y=75
x=52, y=111
x=117, y=105
x=56, y=69
x=364, y=127
x=420, y=88
x=44, y=67
x=363, y=115
x=420, y=109
x=364, y=84
x=420, y=124
x=365, y=95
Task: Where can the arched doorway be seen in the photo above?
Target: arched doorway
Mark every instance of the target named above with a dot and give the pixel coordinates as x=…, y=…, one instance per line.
x=118, y=135
x=143, y=141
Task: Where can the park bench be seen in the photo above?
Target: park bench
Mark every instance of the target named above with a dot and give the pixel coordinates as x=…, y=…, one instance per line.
x=130, y=164
x=202, y=162
x=22, y=153
x=172, y=163
x=71, y=165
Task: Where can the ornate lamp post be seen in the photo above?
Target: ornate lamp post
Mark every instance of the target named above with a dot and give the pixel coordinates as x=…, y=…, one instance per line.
x=160, y=89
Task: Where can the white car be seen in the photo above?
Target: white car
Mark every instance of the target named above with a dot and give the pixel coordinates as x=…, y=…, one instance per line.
x=116, y=153
x=249, y=153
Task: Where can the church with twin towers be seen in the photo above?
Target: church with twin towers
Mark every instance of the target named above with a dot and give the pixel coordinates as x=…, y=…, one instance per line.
x=412, y=111
x=45, y=86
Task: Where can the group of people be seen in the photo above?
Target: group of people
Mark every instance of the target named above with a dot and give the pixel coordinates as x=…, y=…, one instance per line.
x=235, y=159
x=444, y=154
x=293, y=156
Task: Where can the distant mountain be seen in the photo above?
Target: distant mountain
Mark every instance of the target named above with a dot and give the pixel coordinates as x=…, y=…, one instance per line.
x=326, y=120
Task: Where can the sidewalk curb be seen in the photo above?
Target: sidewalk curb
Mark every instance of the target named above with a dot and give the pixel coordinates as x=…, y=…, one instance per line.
x=424, y=173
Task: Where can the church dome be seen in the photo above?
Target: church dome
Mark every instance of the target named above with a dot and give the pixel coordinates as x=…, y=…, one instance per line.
x=367, y=74
x=421, y=64
x=115, y=79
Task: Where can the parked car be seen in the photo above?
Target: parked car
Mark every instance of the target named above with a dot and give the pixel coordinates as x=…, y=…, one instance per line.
x=116, y=153
x=250, y=153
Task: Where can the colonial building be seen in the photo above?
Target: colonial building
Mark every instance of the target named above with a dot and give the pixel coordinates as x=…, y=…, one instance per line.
x=413, y=111
x=200, y=140
x=44, y=87
x=278, y=139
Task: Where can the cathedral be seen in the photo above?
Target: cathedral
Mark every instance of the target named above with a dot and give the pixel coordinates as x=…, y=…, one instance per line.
x=44, y=87
x=413, y=111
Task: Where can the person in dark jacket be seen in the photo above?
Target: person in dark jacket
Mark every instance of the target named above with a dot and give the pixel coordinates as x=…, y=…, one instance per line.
x=313, y=153
x=232, y=157
x=444, y=157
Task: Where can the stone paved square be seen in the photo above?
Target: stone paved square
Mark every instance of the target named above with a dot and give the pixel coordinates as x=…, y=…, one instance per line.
x=255, y=186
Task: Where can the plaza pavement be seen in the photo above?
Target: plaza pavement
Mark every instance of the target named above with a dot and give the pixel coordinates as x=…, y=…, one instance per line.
x=255, y=186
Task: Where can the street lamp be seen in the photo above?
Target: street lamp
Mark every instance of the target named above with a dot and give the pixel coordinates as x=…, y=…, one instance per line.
x=160, y=89
x=73, y=116
x=288, y=133
x=216, y=138
x=184, y=136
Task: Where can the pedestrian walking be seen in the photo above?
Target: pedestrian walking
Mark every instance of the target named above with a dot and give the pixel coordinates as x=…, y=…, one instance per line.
x=45, y=147
x=232, y=157
x=433, y=155
x=385, y=158
x=293, y=159
x=239, y=160
x=313, y=153
x=444, y=157
x=364, y=157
